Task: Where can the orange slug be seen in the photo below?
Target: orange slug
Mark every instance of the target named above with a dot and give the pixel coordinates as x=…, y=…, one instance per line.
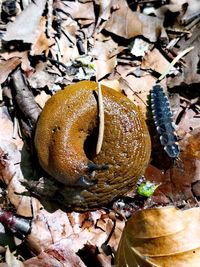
x=66, y=137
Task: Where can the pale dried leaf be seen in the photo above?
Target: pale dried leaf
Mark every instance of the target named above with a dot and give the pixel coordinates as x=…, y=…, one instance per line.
x=42, y=43
x=104, y=67
x=57, y=256
x=11, y=260
x=104, y=48
x=24, y=28
x=154, y=60
x=23, y=204
x=7, y=133
x=78, y=10
x=42, y=98
x=65, y=49
x=48, y=228
x=114, y=84
x=140, y=47
x=13, y=54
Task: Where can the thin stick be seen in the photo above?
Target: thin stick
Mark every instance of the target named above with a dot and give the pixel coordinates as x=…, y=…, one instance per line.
x=174, y=61
x=101, y=120
x=15, y=128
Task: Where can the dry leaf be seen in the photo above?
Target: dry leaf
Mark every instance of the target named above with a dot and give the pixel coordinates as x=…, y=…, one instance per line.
x=84, y=12
x=6, y=67
x=58, y=256
x=128, y=24
x=7, y=134
x=48, y=228
x=41, y=77
x=42, y=43
x=11, y=260
x=177, y=6
x=25, y=26
x=104, y=52
x=176, y=180
x=161, y=236
x=103, y=67
x=42, y=98
x=154, y=60
x=114, y=84
x=189, y=74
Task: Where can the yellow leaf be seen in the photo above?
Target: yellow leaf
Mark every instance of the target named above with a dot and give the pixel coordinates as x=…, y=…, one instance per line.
x=161, y=237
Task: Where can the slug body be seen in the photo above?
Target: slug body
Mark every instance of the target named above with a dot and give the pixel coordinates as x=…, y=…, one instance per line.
x=163, y=120
x=65, y=141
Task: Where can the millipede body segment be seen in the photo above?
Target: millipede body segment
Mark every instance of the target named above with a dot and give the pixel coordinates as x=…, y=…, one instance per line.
x=162, y=116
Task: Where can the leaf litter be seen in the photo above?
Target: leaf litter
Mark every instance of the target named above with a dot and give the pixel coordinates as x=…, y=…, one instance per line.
x=129, y=46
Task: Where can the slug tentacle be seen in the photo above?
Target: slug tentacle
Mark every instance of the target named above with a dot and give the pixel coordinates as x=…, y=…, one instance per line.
x=66, y=138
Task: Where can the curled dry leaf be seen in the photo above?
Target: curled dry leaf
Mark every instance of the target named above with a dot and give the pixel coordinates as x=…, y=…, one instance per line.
x=161, y=237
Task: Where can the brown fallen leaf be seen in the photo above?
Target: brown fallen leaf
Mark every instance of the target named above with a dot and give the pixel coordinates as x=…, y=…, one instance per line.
x=104, y=52
x=155, y=237
x=154, y=60
x=176, y=178
x=189, y=74
x=135, y=88
x=128, y=24
x=42, y=43
x=6, y=67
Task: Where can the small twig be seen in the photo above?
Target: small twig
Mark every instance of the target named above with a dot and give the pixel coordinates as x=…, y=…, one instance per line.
x=1, y=94
x=101, y=120
x=50, y=18
x=15, y=128
x=57, y=62
x=174, y=61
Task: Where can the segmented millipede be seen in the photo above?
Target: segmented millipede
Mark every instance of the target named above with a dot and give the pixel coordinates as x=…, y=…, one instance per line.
x=162, y=116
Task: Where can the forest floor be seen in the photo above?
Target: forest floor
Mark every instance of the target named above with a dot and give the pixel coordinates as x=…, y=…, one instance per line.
x=126, y=45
